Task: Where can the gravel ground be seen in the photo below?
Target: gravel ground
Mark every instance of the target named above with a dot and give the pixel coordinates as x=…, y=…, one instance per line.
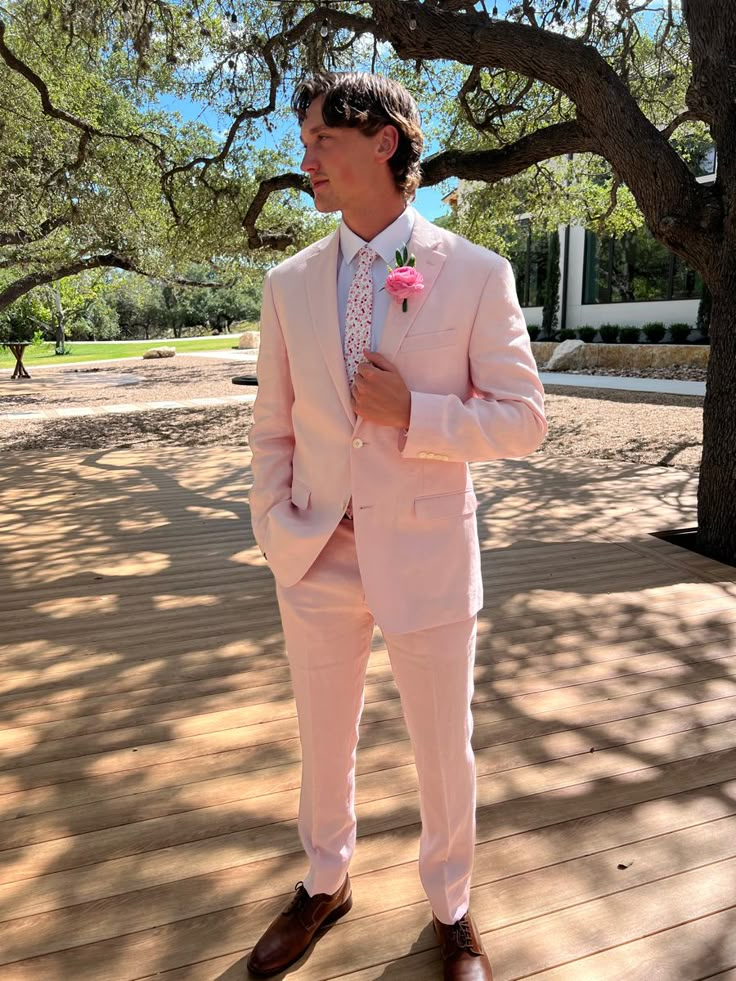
x=170, y=379
x=665, y=430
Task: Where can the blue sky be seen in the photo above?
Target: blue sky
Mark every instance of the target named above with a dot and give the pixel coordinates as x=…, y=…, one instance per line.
x=428, y=200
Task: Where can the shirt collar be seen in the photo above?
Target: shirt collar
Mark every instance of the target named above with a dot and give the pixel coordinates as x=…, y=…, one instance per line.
x=386, y=243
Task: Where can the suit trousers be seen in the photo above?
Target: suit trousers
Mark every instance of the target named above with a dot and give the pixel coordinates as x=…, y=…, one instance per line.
x=328, y=630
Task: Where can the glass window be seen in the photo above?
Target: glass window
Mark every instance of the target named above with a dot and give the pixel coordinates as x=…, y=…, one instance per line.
x=518, y=256
x=686, y=283
x=529, y=256
x=595, y=269
x=640, y=269
x=635, y=268
x=538, y=269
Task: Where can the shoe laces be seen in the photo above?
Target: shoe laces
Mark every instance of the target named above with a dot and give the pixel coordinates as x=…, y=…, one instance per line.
x=462, y=936
x=298, y=901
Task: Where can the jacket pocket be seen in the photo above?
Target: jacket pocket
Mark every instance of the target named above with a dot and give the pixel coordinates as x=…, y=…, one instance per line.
x=431, y=339
x=446, y=505
x=300, y=495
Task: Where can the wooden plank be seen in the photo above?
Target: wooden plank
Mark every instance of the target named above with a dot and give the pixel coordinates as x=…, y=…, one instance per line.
x=682, y=793
x=254, y=772
x=549, y=645
x=545, y=699
x=491, y=717
x=682, y=953
x=630, y=914
x=47, y=742
x=584, y=645
x=379, y=800
x=541, y=888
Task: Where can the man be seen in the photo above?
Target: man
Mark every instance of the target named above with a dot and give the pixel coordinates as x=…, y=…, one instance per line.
x=371, y=403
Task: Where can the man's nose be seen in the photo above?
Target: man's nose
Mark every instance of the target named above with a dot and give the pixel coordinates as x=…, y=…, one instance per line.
x=308, y=164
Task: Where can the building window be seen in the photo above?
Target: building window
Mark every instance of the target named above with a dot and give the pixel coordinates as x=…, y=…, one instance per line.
x=529, y=257
x=633, y=269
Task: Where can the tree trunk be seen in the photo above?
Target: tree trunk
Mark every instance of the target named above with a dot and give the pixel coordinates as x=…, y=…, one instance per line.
x=59, y=322
x=717, y=491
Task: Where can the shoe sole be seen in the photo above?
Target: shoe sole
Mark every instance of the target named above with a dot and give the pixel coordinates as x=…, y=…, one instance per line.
x=334, y=916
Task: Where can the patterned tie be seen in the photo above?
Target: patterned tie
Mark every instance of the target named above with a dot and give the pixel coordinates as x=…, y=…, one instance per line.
x=358, y=319
x=359, y=313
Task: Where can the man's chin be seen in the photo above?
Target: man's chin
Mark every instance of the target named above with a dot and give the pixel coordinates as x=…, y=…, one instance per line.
x=324, y=206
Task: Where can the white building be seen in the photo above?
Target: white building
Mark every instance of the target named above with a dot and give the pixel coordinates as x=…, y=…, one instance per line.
x=628, y=282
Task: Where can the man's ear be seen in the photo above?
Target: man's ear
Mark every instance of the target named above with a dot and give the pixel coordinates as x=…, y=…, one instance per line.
x=388, y=143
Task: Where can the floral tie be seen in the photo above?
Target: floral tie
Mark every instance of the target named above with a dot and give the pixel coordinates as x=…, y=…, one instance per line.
x=358, y=319
x=359, y=313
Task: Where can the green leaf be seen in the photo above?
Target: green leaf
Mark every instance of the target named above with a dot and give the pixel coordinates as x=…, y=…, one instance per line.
x=399, y=260
x=413, y=261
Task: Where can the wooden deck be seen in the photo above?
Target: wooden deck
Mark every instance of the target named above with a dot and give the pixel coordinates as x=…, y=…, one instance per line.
x=150, y=760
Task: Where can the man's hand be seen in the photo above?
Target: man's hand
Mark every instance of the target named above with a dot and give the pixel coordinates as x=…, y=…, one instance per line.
x=379, y=393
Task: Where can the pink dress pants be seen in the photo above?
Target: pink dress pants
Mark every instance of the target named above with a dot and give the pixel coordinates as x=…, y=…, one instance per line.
x=328, y=629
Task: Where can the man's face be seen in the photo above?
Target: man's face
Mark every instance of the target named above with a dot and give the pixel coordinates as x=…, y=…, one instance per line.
x=342, y=163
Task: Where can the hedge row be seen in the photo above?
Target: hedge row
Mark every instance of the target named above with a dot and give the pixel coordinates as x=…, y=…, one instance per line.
x=653, y=333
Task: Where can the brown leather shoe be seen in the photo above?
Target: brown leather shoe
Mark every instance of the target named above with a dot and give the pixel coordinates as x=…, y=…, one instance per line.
x=293, y=930
x=462, y=951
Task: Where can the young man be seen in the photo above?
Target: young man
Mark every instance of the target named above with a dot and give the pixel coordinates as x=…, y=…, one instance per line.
x=371, y=403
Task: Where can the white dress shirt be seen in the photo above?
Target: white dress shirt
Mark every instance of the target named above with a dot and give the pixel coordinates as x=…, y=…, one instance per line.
x=386, y=243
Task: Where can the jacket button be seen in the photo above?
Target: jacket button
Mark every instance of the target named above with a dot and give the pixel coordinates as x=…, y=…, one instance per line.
x=357, y=443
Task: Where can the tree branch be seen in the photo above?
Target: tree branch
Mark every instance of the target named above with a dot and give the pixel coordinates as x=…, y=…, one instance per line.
x=258, y=239
x=16, y=65
x=493, y=165
x=22, y=237
x=109, y=260
x=683, y=214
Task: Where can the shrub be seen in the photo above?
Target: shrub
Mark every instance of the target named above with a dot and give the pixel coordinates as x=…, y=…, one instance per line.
x=679, y=333
x=586, y=333
x=533, y=330
x=629, y=335
x=609, y=333
x=566, y=334
x=654, y=331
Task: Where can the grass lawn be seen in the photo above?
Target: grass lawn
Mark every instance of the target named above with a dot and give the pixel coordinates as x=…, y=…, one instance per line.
x=89, y=351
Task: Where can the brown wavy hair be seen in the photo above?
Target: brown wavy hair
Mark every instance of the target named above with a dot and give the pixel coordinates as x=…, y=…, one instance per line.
x=369, y=102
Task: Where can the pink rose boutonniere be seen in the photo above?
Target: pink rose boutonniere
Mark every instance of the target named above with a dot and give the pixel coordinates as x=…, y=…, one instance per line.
x=404, y=280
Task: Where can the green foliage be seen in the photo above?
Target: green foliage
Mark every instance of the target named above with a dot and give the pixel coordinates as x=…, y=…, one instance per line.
x=566, y=334
x=587, y=333
x=654, y=332
x=629, y=335
x=533, y=331
x=609, y=333
x=679, y=333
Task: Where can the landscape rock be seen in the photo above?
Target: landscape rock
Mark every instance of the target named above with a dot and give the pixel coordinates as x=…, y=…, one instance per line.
x=159, y=352
x=250, y=339
x=566, y=355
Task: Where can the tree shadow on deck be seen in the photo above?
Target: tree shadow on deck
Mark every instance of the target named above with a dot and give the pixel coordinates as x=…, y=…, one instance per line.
x=130, y=822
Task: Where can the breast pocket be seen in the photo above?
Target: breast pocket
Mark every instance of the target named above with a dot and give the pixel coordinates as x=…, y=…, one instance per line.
x=431, y=340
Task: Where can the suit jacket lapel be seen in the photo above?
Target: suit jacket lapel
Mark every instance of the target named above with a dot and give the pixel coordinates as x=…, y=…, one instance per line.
x=321, y=275
x=425, y=245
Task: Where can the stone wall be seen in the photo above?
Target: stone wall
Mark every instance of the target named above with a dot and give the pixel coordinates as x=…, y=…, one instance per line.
x=629, y=356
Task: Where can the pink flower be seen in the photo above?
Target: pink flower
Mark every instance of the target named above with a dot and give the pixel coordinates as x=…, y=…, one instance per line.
x=403, y=282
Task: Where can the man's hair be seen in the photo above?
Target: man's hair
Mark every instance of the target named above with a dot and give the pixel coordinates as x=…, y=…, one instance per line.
x=369, y=102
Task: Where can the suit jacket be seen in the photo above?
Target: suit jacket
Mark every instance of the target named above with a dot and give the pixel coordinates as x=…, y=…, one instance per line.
x=463, y=351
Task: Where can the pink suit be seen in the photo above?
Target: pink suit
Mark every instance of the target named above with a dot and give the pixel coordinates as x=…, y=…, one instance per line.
x=410, y=560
